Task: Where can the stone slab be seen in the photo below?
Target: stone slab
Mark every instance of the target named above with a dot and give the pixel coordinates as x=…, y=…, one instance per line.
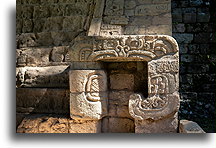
x=51, y=76
x=189, y=127
x=166, y=125
x=87, y=81
x=84, y=126
x=81, y=108
x=33, y=56
x=109, y=30
x=43, y=123
x=42, y=100
x=94, y=29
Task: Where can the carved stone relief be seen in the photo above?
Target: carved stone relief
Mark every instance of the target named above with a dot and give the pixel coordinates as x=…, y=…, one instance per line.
x=88, y=99
x=161, y=53
x=121, y=48
x=163, y=97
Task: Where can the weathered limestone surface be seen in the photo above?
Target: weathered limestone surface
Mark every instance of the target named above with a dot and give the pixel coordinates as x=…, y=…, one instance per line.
x=43, y=123
x=165, y=125
x=88, y=126
x=122, y=48
x=88, y=81
x=117, y=125
x=162, y=102
x=191, y=127
x=32, y=56
x=82, y=108
x=118, y=104
x=42, y=100
x=88, y=98
x=152, y=9
x=52, y=76
x=109, y=30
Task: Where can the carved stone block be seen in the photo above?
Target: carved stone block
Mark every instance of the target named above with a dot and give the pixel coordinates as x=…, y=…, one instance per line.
x=152, y=9
x=108, y=30
x=91, y=81
x=155, y=107
x=88, y=98
x=122, y=48
x=84, y=126
x=165, y=125
x=84, y=108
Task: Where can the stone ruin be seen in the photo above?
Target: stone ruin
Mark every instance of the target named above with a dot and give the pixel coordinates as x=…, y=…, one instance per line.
x=124, y=68
x=89, y=88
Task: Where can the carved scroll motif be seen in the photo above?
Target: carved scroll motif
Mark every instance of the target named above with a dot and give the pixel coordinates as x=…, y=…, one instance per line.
x=134, y=47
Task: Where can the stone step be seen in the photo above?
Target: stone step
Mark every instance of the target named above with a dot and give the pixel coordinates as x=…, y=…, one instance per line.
x=51, y=123
x=42, y=100
x=41, y=56
x=51, y=76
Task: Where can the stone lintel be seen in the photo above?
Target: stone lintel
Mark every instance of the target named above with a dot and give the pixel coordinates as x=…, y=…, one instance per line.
x=122, y=48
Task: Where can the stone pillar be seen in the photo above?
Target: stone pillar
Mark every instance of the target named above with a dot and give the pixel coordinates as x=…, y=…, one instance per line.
x=88, y=95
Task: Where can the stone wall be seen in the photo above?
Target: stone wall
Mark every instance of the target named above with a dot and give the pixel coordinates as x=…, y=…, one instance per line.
x=194, y=29
x=141, y=17
x=44, y=30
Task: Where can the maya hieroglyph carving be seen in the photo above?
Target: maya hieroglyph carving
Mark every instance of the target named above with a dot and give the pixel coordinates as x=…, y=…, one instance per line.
x=88, y=94
x=161, y=53
x=163, y=97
